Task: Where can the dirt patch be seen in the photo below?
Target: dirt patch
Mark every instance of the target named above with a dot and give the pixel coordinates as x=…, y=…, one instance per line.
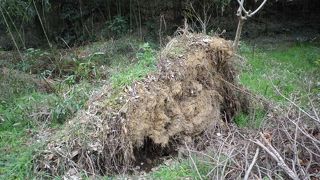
x=190, y=92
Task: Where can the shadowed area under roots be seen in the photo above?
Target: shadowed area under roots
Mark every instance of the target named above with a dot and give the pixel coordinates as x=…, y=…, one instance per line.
x=151, y=154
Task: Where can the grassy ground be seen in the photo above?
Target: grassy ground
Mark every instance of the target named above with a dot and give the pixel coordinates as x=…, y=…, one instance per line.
x=287, y=67
x=27, y=114
x=292, y=68
x=24, y=111
x=24, y=120
x=183, y=169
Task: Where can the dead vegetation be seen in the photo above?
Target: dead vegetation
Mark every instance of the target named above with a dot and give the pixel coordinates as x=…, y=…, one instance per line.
x=186, y=108
x=285, y=147
x=190, y=92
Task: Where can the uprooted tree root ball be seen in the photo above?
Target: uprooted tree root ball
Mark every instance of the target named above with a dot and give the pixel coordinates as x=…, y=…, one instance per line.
x=191, y=91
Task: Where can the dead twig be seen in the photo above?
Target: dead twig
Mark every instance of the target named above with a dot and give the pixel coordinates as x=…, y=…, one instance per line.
x=294, y=104
x=246, y=177
x=194, y=164
x=276, y=156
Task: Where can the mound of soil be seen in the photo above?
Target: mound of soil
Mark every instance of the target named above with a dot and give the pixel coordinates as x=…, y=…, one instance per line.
x=191, y=91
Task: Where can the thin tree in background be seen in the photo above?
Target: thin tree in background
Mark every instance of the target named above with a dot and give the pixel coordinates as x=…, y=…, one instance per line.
x=10, y=33
x=43, y=28
x=243, y=15
x=202, y=16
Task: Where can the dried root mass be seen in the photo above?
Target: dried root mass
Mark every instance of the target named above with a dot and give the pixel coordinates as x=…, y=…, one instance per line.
x=190, y=92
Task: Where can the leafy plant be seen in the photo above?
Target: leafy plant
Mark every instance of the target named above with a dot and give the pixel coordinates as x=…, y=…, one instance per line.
x=35, y=61
x=66, y=106
x=86, y=70
x=118, y=26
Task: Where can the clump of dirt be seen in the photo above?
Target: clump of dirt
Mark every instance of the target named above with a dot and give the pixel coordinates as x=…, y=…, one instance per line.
x=191, y=91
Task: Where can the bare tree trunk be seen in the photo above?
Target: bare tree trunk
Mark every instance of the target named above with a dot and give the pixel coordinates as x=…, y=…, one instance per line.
x=243, y=14
x=43, y=28
x=238, y=34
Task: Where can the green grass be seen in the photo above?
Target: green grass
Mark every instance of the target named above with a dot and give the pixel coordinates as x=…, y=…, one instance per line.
x=21, y=119
x=20, y=101
x=283, y=67
x=15, y=154
x=252, y=120
x=15, y=150
x=123, y=73
x=128, y=74
x=183, y=169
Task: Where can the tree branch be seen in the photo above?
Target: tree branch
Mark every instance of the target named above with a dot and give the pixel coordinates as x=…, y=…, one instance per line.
x=276, y=156
x=246, y=177
x=258, y=9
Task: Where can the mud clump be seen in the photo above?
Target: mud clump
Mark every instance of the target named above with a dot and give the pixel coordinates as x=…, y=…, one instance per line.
x=190, y=92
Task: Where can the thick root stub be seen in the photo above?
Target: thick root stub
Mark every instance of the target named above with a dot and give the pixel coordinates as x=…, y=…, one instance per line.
x=190, y=92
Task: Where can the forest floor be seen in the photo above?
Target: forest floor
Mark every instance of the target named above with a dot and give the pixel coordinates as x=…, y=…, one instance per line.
x=36, y=100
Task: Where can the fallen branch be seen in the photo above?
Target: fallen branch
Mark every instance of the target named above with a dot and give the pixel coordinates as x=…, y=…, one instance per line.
x=246, y=177
x=276, y=156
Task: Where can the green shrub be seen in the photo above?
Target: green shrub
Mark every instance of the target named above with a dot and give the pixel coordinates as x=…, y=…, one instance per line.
x=72, y=101
x=117, y=27
x=35, y=61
